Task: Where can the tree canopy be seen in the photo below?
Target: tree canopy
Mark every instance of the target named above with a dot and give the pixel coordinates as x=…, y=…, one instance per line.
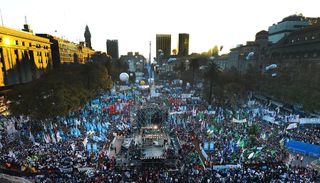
x=60, y=91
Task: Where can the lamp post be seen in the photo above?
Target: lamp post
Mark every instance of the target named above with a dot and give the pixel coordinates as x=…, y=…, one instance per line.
x=149, y=68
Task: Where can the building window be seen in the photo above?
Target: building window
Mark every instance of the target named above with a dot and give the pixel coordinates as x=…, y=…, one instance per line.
x=0, y=39
x=16, y=55
x=17, y=42
x=22, y=43
x=30, y=44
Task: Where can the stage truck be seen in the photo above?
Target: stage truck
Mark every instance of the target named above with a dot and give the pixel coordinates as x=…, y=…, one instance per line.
x=152, y=144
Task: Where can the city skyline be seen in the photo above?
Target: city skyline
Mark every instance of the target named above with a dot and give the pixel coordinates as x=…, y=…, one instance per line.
x=135, y=23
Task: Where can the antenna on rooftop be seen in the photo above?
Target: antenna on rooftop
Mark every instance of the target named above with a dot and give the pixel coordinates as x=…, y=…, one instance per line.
x=1, y=17
x=26, y=27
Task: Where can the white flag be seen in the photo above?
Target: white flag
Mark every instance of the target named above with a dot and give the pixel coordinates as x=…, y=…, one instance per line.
x=85, y=141
x=31, y=137
x=58, y=136
x=11, y=154
x=73, y=147
x=53, y=138
x=47, y=138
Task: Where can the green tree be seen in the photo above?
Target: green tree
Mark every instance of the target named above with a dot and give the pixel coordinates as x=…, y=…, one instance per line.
x=60, y=91
x=194, y=64
x=212, y=51
x=211, y=75
x=119, y=66
x=254, y=132
x=180, y=67
x=102, y=58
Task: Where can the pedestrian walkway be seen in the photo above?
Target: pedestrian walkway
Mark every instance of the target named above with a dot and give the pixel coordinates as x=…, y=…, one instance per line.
x=304, y=162
x=115, y=146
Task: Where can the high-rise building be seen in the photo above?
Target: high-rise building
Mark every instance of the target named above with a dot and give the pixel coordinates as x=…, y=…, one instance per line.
x=113, y=48
x=183, y=44
x=163, y=45
x=87, y=36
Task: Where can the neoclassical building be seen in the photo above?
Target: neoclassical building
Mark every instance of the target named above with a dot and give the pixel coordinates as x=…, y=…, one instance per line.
x=23, y=55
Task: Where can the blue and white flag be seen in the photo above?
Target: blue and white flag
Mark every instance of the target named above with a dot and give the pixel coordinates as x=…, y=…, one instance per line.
x=31, y=137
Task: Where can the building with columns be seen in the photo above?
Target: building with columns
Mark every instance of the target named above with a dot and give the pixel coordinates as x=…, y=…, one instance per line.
x=23, y=55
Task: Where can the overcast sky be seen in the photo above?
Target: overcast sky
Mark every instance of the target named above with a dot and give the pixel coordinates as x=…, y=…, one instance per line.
x=136, y=22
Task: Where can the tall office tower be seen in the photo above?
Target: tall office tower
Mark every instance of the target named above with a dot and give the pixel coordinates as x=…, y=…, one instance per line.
x=113, y=48
x=183, y=44
x=163, y=44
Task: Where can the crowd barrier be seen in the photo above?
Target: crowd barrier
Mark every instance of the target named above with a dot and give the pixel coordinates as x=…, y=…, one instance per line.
x=302, y=147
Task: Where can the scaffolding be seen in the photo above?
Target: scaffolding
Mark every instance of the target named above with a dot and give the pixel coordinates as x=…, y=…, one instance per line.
x=151, y=114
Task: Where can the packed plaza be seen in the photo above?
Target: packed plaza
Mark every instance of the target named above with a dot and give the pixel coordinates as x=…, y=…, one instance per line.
x=204, y=143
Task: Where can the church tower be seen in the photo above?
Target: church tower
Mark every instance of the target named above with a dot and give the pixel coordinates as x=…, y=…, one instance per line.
x=87, y=37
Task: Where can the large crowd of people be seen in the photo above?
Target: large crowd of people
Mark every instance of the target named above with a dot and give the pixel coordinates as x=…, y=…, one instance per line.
x=248, y=141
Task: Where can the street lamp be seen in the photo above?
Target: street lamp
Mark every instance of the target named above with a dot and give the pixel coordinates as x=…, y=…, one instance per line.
x=187, y=64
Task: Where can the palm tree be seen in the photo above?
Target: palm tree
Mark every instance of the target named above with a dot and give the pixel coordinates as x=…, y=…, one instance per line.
x=194, y=64
x=180, y=67
x=211, y=75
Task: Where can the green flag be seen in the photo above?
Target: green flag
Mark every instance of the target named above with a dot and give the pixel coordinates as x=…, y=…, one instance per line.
x=242, y=143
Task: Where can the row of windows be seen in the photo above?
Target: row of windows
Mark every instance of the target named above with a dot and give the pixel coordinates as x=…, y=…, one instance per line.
x=40, y=54
x=68, y=50
x=16, y=42
x=299, y=55
x=306, y=38
x=40, y=61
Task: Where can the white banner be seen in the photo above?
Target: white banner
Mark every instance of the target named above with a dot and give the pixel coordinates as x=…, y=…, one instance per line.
x=270, y=119
x=309, y=120
x=124, y=88
x=223, y=167
x=186, y=95
x=239, y=120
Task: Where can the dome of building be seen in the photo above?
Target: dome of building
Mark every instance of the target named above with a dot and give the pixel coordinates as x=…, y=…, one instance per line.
x=299, y=17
